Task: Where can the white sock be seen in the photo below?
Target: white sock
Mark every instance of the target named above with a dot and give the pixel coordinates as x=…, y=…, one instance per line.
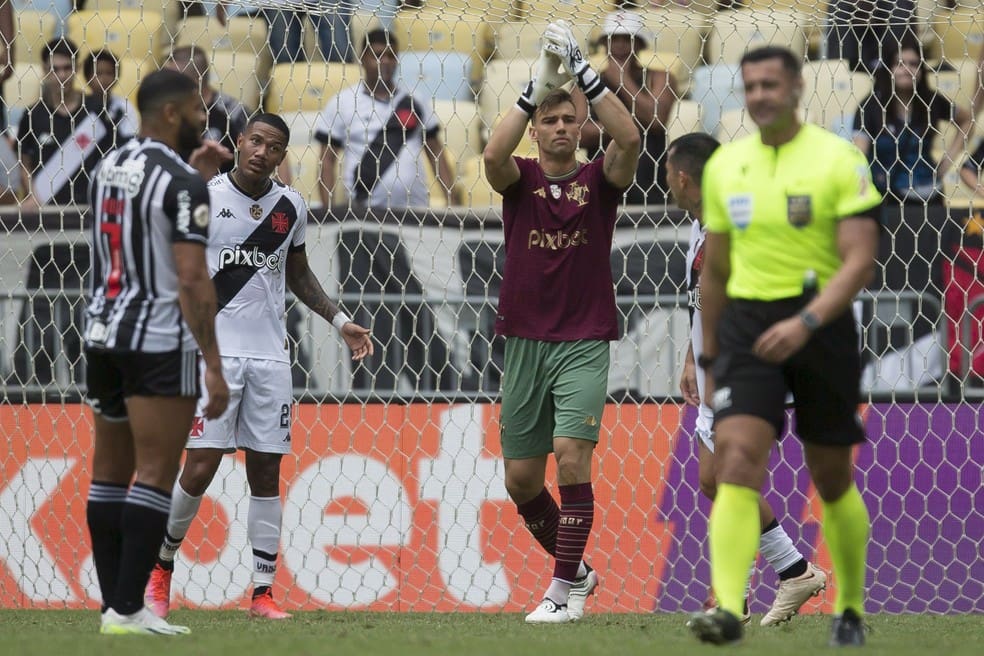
x=778, y=549
x=558, y=591
x=582, y=571
x=263, y=530
x=184, y=507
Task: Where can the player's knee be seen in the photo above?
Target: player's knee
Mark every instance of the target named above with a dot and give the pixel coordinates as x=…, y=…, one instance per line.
x=199, y=470
x=708, y=486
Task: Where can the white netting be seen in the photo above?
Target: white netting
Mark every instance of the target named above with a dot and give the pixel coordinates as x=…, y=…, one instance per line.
x=395, y=498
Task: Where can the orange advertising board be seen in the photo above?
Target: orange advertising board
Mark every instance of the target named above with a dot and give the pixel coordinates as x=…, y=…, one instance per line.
x=386, y=507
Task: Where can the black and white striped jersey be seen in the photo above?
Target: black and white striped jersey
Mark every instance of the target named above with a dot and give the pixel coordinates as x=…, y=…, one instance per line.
x=249, y=242
x=144, y=198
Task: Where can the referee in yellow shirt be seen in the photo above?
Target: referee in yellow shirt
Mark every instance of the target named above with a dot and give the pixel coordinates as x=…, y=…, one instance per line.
x=792, y=234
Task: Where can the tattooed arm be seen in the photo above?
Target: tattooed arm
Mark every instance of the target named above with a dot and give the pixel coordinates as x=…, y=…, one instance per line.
x=622, y=154
x=306, y=287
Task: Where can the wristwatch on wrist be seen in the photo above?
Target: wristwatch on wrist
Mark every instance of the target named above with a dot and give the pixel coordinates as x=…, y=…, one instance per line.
x=705, y=361
x=810, y=320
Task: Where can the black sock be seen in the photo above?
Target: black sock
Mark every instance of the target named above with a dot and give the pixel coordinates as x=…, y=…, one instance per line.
x=260, y=590
x=772, y=525
x=144, y=524
x=103, y=514
x=796, y=569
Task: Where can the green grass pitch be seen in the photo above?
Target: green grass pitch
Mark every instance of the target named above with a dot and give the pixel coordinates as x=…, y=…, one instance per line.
x=75, y=633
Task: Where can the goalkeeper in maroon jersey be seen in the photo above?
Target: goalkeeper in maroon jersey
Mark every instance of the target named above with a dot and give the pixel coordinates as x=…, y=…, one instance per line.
x=557, y=306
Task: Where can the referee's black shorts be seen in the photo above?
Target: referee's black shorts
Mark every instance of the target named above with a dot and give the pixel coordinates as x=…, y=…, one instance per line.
x=824, y=377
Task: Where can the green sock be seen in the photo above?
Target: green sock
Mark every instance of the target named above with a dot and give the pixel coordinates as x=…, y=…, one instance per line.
x=734, y=539
x=846, y=528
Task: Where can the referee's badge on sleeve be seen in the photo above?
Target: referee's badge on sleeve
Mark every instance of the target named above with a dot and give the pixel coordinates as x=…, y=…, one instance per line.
x=740, y=210
x=799, y=210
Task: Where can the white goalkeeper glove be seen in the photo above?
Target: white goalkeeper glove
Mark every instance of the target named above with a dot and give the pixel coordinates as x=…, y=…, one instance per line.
x=560, y=40
x=550, y=74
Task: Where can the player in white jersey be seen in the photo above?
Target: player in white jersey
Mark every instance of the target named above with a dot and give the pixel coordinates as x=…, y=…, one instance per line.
x=255, y=251
x=798, y=579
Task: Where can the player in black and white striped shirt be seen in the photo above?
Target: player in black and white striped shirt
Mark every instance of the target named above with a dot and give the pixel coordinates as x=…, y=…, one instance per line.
x=151, y=301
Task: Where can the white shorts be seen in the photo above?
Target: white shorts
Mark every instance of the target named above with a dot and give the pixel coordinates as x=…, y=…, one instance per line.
x=259, y=414
x=704, y=430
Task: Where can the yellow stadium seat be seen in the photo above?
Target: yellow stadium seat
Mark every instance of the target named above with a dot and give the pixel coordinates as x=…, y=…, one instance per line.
x=813, y=13
x=169, y=9
x=475, y=189
x=305, y=165
x=307, y=86
x=736, y=123
x=446, y=31
x=684, y=119
x=131, y=71
x=460, y=127
x=505, y=79
x=241, y=34
x=236, y=74
x=23, y=88
x=301, y=126
x=574, y=11
x=736, y=31
x=438, y=196
x=831, y=91
x=136, y=34
x=959, y=31
x=522, y=40
x=490, y=10
x=33, y=30
x=960, y=84
x=679, y=31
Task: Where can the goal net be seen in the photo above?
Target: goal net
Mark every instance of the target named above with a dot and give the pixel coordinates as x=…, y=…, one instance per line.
x=393, y=491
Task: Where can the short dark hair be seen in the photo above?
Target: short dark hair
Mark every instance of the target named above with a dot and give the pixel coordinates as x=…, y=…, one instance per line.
x=162, y=87
x=553, y=99
x=89, y=65
x=379, y=36
x=690, y=153
x=58, y=47
x=790, y=61
x=274, y=121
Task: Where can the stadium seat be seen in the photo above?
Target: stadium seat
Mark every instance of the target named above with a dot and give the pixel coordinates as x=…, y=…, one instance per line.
x=33, y=30
x=236, y=74
x=305, y=165
x=461, y=128
x=522, y=40
x=679, y=31
x=446, y=31
x=504, y=81
x=490, y=11
x=170, y=10
x=960, y=84
x=22, y=90
x=307, y=86
x=438, y=197
x=684, y=118
x=136, y=34
x=736, y=123
x=437, y=75
x=301, y=126
x=959, y=31
x=717, y=88
x=131, y=71
x=736, y=31
x=475, y=189
x=813, y=13
x=588, y=12
x=831, y=91
x=241, y=34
